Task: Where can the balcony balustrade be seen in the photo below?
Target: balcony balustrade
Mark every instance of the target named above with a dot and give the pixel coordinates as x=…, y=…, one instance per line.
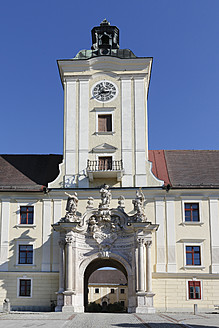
x=105, y=168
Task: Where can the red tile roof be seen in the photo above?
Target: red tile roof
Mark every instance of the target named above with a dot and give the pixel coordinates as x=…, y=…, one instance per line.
x=159, y=167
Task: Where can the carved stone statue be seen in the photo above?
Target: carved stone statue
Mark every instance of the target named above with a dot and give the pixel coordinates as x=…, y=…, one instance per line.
x=90, y=203
x=121, y=202
x=71, y=208
x=105, y=197
x=138, y=203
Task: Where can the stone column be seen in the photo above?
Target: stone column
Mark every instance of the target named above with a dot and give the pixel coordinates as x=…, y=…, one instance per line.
x=61, y=264
x=148, y=267
x=141, y=265
x=69, y=241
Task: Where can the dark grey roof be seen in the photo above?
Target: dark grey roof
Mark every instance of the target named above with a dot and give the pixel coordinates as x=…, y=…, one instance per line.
x=28, y=172
x=193, y=168
x=107, y=276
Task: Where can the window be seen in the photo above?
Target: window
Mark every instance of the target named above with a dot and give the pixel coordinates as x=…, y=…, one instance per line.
x=122, y=291
x=105, y=123
x=194, y=290
x=193, y=255
x=25, y=254
x=26, y=214
x=192, y=212
x=105, y=163
x=112, y=290
x=122, y=303
x=97, y=290
x=25, y=287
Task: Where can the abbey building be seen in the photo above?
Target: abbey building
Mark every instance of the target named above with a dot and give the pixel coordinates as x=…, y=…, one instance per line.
x=108, y=201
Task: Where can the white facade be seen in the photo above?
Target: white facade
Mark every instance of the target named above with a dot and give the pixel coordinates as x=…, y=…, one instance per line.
x=167, y=245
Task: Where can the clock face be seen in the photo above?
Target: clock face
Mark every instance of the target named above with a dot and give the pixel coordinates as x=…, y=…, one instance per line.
x=104, y=91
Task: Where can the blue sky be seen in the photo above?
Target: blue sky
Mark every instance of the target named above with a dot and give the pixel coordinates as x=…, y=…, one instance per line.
x=181, y=36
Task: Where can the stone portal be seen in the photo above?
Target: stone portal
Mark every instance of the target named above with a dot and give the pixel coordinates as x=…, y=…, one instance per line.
x=105, y=236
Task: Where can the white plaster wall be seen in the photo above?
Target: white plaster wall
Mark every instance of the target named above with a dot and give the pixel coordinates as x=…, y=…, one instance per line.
x=83, y=132
x=5, y=219
x=46, y=240
x=214, y=233
x=126, y=129
x=140, y=146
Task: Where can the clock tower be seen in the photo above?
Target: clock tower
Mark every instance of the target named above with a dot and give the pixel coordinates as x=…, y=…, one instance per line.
x=105, y=116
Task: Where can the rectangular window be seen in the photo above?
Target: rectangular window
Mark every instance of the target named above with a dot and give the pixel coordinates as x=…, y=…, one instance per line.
x=192, y=212
x=122, y=291
x=26, y=214
x=97, y=290
x=193, y=255
x=194, y=290
x=105, y=163
x=122, y=303
x=112, y=290
x=105, y=123
x=25, y=287
x=25, y=254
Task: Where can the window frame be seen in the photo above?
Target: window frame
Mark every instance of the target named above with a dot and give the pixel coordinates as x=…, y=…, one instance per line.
x=26, y=252
x=193, y=252
x=193, y=201
x=188, y=293
x=122, y=290
x=107, y=123
x=191, y=211
x=194, y=244
x=26, y=212
x=23, y=242
x=104, y=111
x=18, y=287
x=112, y=290
x=27, y=203
x=96, y=292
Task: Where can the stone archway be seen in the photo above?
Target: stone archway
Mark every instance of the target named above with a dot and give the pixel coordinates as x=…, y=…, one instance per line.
x=104, y=235
x=97, y=264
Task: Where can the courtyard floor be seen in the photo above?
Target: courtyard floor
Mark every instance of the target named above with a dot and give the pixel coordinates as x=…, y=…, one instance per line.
x=107, y=320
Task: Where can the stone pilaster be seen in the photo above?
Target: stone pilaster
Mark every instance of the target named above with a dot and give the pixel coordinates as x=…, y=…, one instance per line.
x=68, y=293
x=144, y=298
x=61, y=265
x=141, y=287
x=60, y=296
x=69, y=242
x=148, y=266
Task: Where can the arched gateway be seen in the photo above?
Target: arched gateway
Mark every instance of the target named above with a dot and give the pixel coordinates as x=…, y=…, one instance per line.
x=105, y=237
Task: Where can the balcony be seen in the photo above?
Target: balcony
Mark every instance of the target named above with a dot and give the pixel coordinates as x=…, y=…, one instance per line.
x=105, y=167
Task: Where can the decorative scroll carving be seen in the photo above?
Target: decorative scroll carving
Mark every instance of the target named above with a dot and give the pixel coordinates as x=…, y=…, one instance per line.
x=138, y=203
x=71, y=208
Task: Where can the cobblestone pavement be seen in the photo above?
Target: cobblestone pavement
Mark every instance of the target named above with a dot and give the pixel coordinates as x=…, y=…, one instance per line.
x=107, y=320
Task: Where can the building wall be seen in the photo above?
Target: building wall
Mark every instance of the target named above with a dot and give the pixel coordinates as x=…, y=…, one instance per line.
x=171, y=294
x=170, y=274
x=105, y=294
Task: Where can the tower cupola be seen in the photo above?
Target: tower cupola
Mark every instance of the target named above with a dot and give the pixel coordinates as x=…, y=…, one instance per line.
x=104, y=38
